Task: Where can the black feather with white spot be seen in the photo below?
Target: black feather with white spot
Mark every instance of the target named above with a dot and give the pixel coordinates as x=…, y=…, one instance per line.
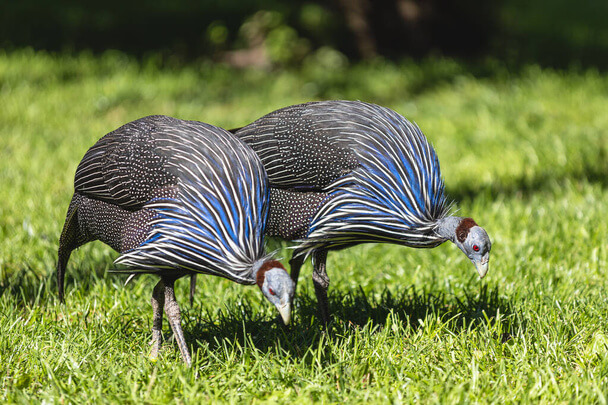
x=171, y=196
x=376, y=174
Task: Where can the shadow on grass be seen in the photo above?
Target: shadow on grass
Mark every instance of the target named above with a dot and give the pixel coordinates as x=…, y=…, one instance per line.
x=238, y=325
x=351, y=311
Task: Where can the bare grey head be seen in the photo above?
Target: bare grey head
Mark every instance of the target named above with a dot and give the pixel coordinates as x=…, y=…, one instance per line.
x=277, y=286
x=472, y=239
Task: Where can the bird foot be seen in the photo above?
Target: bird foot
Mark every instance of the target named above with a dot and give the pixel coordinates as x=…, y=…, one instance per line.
x=156, y=345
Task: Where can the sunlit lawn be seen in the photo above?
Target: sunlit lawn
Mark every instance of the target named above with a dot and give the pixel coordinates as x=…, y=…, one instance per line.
x=524, y=153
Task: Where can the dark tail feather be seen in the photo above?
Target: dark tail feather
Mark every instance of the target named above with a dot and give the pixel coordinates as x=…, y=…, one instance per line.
x=67, y=242
x=192, y=288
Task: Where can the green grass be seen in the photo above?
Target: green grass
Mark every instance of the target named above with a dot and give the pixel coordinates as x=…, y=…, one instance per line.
x=523, y=153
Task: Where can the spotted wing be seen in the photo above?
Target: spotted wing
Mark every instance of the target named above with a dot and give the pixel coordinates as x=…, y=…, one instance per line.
x=297, y=147
x=124, y=167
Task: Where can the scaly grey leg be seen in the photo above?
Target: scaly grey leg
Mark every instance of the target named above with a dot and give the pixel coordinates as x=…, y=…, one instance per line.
x=321, y=283
x=175, y=319
x=158, y=302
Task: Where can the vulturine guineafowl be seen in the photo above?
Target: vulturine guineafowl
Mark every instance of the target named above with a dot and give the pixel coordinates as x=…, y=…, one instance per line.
x=347, y=172
x=175, y=198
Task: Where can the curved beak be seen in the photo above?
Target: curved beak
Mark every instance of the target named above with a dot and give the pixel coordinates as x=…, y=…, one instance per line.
x=482, y=265
x=285, y=311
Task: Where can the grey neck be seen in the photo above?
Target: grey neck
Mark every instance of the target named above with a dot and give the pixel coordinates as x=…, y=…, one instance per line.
x=256, y=267
x=446, y=227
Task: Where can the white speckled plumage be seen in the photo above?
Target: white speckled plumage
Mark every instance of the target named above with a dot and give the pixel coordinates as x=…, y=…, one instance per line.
x=174, y=194
x=347, y=172
x=379, y=176
x=176, y=197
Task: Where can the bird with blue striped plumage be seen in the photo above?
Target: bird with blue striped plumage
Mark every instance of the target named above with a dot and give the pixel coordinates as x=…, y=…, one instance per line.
x=347, y=172
x=175, y=198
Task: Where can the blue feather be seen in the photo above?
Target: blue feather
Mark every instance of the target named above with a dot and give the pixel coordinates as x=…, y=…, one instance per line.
x=215, y=224
x=397, y=187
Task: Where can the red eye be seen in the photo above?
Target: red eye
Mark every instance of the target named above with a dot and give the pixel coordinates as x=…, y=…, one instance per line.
x=271, y=291
x=476, y=248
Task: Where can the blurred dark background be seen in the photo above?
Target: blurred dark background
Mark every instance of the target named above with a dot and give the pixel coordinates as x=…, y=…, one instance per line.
x=556, y=33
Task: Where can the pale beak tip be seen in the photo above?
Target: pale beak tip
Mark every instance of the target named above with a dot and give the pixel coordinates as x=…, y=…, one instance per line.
x=285, y=311
x=482, y=268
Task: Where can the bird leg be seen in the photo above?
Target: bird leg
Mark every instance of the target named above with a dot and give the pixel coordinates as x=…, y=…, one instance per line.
x=192, y=288
x=158, y=302
x=295, y=264
x=321, y=283
x=175, y=320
